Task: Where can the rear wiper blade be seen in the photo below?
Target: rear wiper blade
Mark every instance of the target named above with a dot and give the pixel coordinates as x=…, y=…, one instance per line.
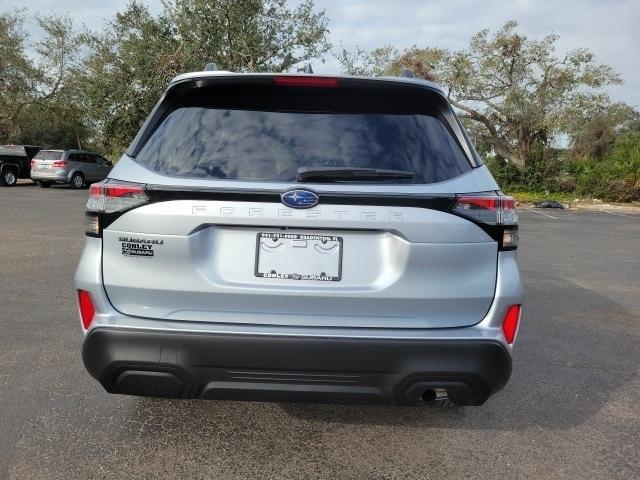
x=308, y=174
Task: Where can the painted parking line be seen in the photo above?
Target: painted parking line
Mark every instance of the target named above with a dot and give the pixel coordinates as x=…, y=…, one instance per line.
x=541, y=213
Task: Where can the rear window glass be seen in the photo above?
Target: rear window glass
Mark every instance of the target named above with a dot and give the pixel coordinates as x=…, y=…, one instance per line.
x=48, y=155
x=219, y=143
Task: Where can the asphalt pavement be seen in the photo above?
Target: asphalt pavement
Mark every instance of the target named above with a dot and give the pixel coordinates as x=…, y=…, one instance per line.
x=571, y=409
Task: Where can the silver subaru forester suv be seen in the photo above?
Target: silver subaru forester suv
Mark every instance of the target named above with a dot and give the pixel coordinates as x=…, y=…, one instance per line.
x=300, y=238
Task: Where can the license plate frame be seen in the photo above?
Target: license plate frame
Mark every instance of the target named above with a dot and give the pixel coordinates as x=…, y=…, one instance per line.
x=316, y=240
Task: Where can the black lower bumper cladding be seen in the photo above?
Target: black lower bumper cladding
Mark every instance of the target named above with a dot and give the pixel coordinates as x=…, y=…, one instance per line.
x=293, y=368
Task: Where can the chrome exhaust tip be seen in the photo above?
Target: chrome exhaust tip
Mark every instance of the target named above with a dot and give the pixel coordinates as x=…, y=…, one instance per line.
x=436, y=396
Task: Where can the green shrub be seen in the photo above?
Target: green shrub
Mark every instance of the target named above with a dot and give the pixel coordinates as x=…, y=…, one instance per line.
x=523, y=196
x=623, y=191
x=615, y=177
x=505, y=173
x=626, y=158
x=536, y=176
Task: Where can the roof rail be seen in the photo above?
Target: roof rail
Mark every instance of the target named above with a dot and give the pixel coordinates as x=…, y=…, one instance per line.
x=210, y=67
x=407, y=73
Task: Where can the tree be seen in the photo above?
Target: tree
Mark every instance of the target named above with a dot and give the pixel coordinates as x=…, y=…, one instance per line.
x=54, y=124
x=626, y=157
x=594, y=127
x=127, y=66
x=248, y=35
x=515, y=90
x=32, y=81
x=130, y=63
x=16, y=72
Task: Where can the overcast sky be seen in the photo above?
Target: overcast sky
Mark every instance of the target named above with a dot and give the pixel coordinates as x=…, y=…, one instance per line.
x=609, y=28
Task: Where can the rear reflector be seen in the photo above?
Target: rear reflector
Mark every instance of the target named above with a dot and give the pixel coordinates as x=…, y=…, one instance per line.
x=510, y=323
x=87, y=310
x=305, y=81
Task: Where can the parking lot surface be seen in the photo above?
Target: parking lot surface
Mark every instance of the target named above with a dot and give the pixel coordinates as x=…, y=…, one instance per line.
x=571, y=409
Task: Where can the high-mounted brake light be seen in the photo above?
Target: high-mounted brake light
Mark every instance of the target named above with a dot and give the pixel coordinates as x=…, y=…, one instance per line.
x=510, y=323
x=305, y=81
x=109, y=198
x=495, y=213
x=87, y=310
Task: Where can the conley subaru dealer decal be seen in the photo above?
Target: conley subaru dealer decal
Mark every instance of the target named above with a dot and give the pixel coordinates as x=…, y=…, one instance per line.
x=138, y=247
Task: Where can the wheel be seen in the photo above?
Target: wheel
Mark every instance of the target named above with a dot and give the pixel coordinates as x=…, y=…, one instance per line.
x=9, y=177
x=43, y=184
x=77, y=181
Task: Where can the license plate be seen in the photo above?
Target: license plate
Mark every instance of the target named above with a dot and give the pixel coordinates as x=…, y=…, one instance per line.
x=295, y=256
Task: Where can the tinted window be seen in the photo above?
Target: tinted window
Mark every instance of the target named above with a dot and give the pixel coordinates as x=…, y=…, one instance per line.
x=88, y=158
x=49, y=155
x=270, y=146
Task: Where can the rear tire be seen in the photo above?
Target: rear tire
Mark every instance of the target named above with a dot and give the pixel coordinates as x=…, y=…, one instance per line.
x=77, y=181
x=9, y=177
x=43, y=184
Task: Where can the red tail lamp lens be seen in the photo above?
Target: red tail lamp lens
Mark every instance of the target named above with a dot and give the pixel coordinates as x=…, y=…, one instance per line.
x=95, y=190
x=123, y=190
x=305, y=81
x=87, y=310
x=510, y=323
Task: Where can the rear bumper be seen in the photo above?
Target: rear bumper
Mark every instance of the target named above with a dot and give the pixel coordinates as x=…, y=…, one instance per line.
x=293, y=368
x=50, y=176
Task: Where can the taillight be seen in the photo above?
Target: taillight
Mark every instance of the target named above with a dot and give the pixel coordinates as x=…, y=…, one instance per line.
x=496, y=214
x=60, y=163
x=33, y=163
x=510, y=323
x=305, y=81
x=107, y=200
x=87, y=310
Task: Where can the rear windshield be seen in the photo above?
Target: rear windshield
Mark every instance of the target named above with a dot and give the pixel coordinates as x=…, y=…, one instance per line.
x=262, y=132
x=48, y=155
x=271, y=146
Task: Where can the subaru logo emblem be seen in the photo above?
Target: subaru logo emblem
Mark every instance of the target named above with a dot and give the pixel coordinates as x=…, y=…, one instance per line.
x=299, y=199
